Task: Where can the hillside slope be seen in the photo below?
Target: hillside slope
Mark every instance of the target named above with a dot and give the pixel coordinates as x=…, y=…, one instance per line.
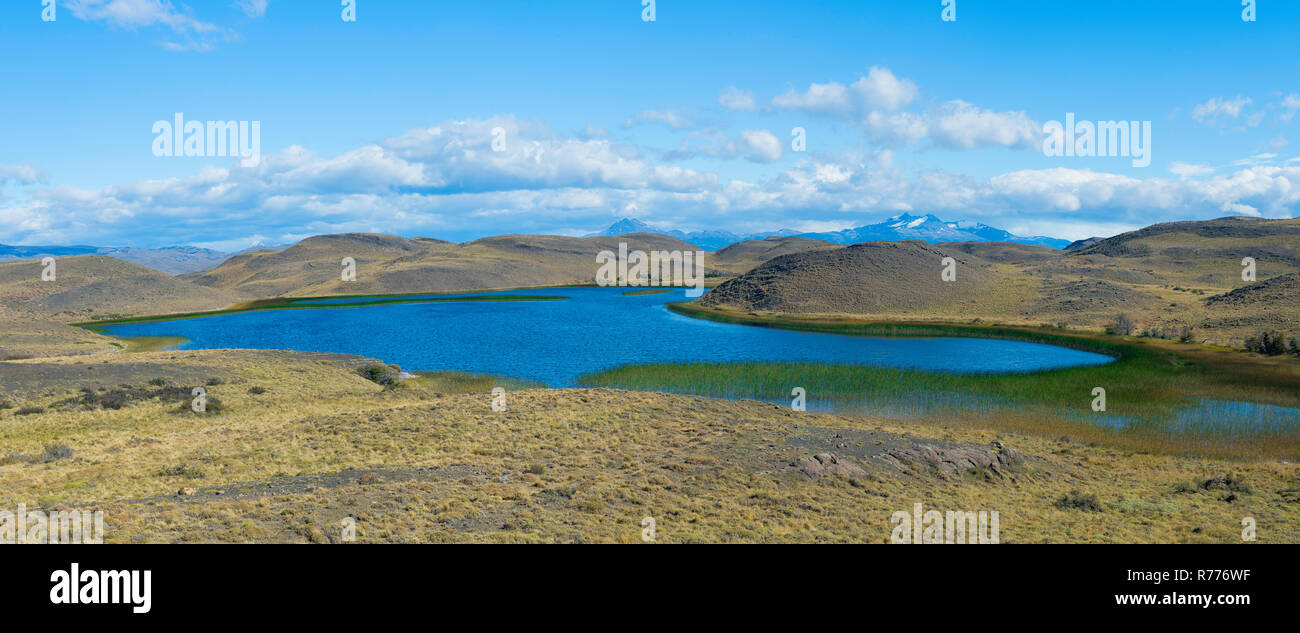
x=743, y=256
x=1165, y=278
x=94, y=287
x=387, y=264
x=867, y=278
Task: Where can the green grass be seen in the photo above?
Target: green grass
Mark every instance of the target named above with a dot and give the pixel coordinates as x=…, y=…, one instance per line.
x=1145, y=387
x=456, y=382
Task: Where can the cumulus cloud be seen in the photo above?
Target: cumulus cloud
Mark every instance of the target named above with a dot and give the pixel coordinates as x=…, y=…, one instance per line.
x=497, y=174
x=1217, y=108
x=955, y=125
x=879, y=90
x=734, y=98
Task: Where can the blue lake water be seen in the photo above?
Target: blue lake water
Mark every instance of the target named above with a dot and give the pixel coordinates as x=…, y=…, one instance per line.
x=555, y=342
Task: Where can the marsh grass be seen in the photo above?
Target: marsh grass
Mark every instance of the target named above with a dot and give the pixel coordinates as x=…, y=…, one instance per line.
x=303, y=303
x=455, y=382
x=1156, y=396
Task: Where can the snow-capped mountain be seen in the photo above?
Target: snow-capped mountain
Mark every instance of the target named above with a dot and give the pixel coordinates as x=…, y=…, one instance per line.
x=931, y=229
x=927, y=228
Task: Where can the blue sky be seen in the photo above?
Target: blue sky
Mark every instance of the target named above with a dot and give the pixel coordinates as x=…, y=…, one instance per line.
x=386, y=124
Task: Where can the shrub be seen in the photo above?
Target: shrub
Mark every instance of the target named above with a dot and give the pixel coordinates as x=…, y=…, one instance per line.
x=386, y=375
x=5, y=404
x=1122, y=325
x=1267, y=343
x=29, y=410
x=257, y=391
x=56, y=451
x=1079, y=501
x=182, y=470
x=1228, y=482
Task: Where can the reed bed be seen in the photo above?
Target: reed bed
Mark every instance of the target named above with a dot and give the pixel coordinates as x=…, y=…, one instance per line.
x=1157, y=400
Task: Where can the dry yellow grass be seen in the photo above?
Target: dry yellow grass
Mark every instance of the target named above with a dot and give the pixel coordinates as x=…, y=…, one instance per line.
x=421, y=463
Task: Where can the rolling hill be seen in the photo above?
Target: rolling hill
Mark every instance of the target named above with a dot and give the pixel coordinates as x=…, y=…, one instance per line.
x=1166, y=278
x=389, y=265
x=173, y=260
x=742, y=256
x=90, y=287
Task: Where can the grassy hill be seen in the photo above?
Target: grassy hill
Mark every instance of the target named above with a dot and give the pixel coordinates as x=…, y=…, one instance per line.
x=742, y=256
x=867, y=278
x=34, y=313
x=94, y=287
x=1166, y=278
x=388, y=265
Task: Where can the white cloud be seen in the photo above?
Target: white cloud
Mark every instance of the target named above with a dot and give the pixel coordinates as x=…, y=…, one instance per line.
x=447, y=178
x=1211, y=111
x=762, y=146
x=192, y=34
x=252, y=8
x=879, y=90
x=21, y=174
x=1188, y=170
x=666, y=117
x=1289, y=105
x=955, y=125
x=758, y=146
x=734, y=98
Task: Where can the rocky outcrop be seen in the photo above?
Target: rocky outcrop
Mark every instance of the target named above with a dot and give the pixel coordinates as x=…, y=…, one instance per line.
x=991, y=460
x=824, y=464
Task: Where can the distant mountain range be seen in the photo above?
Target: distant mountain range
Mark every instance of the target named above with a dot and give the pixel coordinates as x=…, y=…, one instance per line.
x=179, y=260
x=173, y=260
x=926, y=228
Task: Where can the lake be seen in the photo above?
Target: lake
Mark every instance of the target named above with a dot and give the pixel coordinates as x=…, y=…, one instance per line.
x=555, y=342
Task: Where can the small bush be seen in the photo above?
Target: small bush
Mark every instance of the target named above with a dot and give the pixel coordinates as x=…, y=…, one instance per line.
x=1228, y=482
x=1122, y=325
x=56, y=451
x=386, y=375
x=5, y=404
x=535, y=469
x=212, y=382
x=257, y=391
x=1079, y=501
x=158, y=382
x=182, y=470
x=29, y=410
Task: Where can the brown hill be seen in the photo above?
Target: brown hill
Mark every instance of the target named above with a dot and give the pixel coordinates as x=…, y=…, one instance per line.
x=743, y=256
x=867, y=278
x=1160, y=277
x=93, y=287
x=388, y=265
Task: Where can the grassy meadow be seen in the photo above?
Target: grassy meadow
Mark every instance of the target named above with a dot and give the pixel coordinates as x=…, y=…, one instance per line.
x=301, y=441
